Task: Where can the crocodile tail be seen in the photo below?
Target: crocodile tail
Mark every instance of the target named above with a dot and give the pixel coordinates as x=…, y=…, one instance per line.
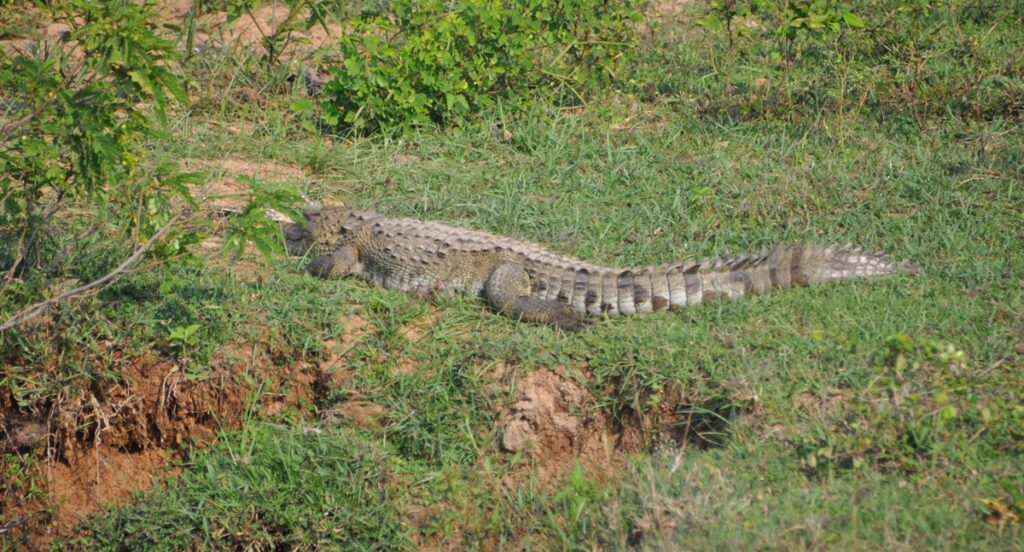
x=690, y=283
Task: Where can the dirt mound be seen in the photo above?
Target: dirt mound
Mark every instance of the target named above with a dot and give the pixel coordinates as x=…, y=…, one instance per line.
x=555, y=422
x=154, y=405
x=109, y=439
x=112, y=438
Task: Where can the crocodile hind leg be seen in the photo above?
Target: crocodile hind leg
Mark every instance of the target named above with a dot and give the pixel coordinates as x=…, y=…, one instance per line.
x=508, y=291
x=339, y=264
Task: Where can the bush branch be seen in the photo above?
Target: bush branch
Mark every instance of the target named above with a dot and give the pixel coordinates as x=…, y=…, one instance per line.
x=36, y=309
x=9, y=130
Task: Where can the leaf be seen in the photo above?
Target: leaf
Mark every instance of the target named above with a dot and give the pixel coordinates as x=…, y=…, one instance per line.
x=301, y=105
x=255, y=226
x=267, y=245
x=142, y=80
x=948, y=412
x=711, y=22
x=183, y=334
x=457, y=103
x=179, y=183
x=330, y=118
x=853, y=20
x=174, y=85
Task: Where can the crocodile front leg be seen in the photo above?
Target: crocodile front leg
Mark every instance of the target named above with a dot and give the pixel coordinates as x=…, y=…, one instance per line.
x=508, y=291
x=339, y=264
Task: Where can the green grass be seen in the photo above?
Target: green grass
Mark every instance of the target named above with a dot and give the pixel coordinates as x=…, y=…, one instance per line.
x=258, y=488
x=829, y=432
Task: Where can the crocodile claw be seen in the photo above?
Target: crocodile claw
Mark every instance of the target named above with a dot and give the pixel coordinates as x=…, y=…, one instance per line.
x=569, y=320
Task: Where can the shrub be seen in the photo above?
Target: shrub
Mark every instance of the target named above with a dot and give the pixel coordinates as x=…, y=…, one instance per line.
x=434, y=61
x=76, y=116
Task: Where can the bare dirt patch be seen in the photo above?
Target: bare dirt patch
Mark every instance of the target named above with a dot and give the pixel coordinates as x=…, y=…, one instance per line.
x=825, y=404
x=42, y=35
x=333, y=366
x=111, y=438
x=359, y=413
x=356, y=328
x=176, y=10
x=406, y=159
x=156, y=405
x=669, y=7
x=555, y=422
x=406, y=366
x=78, y=486
x=102, y=475
x=248, y=34
x=415, y=330
x=293, y=389
x=224, y=191
x=333, y=371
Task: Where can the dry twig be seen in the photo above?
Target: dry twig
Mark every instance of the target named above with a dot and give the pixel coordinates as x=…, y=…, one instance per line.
x=36, y=309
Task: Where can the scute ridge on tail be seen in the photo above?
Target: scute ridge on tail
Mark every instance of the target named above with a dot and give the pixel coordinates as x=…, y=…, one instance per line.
x=799, y=263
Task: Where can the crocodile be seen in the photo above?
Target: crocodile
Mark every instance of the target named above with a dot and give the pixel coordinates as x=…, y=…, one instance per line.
x=530, y=282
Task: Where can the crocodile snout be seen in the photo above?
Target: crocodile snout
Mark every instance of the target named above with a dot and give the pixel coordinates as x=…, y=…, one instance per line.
x=297, y=238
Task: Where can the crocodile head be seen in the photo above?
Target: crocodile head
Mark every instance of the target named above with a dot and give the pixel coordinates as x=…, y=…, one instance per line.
x=299, y=236
x=323, y=231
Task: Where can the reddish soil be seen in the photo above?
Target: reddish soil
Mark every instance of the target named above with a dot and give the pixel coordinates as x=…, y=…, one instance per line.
x=102, y=475
x=359, y=413
x=114, y=438
x=415, y=330
x=48, y=35
x=224, y=192
x=555, y=422
x=247, y=34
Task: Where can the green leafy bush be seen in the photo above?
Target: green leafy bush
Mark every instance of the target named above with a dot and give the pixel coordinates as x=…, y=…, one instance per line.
x=434, y=61
x=77, y=115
